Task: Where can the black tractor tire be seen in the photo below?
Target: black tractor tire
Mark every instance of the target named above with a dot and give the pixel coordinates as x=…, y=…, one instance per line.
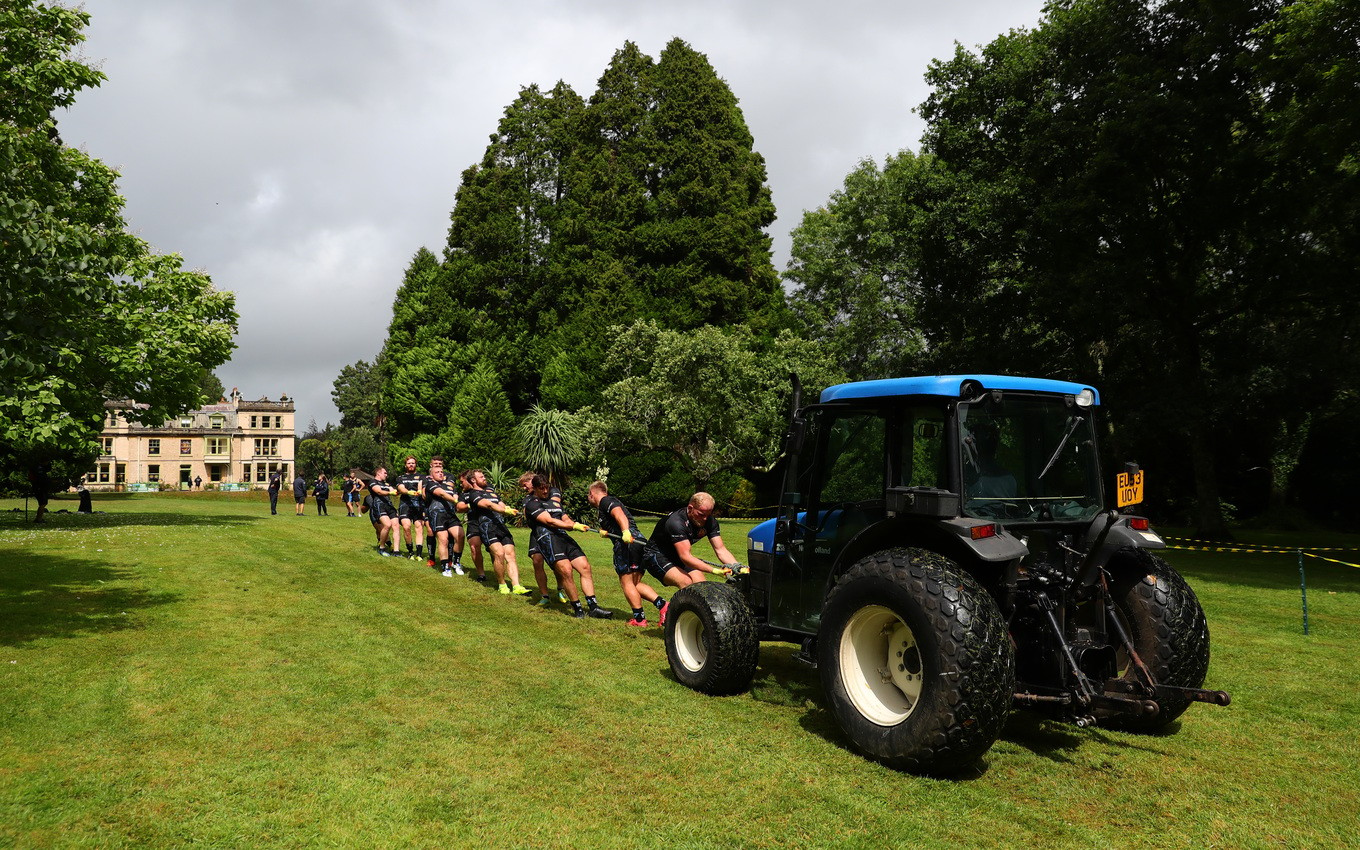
x=916, y=662
x=711, y=640
x=1166, y=624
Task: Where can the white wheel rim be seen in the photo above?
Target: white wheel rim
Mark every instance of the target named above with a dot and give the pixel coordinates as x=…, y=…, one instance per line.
x=880, y=665
x=689, y=641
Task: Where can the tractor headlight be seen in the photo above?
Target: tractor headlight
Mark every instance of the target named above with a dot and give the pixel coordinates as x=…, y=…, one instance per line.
x=1086, y=398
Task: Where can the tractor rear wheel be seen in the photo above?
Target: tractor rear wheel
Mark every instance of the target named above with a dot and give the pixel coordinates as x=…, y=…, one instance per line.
x=1166, y=624
x=916, y=662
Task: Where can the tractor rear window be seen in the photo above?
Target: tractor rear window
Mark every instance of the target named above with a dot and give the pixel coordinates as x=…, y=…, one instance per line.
x=1028, y=459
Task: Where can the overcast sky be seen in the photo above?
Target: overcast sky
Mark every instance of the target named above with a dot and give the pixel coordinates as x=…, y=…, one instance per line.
x=301, y=151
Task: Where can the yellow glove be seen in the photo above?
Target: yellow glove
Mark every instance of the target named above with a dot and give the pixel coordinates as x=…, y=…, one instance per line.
x=722, y=571
x=580, y=526
x=627, y=536
x=511, y=512
x=602, y=532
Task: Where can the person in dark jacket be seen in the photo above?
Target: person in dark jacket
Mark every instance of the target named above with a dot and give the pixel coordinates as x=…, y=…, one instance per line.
x=275, y=484
x=300, y=493
x=321, y=491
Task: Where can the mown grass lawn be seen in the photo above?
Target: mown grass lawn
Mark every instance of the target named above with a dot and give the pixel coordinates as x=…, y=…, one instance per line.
x=189, y=669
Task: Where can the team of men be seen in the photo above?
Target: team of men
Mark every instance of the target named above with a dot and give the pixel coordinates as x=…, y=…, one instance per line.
x=428, y=512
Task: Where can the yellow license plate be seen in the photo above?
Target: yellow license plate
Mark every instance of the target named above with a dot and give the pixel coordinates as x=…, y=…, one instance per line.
x=1130, y=489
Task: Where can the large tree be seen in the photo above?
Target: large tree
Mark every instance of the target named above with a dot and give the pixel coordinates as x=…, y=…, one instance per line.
x=87, y=311
x=855, y=263
x=1128, y=207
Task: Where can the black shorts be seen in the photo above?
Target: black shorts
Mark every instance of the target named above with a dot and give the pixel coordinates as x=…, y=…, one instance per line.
x=494, y=531
x=557, y=546
x=655, y=563
x=443, y=519
x=377, y=510
x=629, y=557
x=412, y=510
x=301, y=500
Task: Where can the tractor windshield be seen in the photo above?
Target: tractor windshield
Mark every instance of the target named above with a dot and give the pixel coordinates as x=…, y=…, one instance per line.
x=1028, y=458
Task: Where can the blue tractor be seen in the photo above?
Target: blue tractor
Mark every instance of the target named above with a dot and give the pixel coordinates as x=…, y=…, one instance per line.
x=945, y=552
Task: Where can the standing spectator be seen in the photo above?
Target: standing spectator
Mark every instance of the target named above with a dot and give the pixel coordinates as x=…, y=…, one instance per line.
x=275, y=483
x=198, y=482
x=300, y=493
x=347, y=493
x=322, y=490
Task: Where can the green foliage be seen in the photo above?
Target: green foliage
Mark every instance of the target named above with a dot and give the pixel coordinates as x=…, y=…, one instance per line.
x=210, y=388
x=357, y=393
x=87, y=312
x=413, y=371
x=856, y=263
x=552, y=441
x=715, y=397
x=481, y=426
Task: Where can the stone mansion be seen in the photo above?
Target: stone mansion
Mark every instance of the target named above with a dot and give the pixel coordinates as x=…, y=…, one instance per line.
x=234, y=442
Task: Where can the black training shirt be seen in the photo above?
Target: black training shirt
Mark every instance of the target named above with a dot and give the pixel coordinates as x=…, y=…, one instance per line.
x=677, y=527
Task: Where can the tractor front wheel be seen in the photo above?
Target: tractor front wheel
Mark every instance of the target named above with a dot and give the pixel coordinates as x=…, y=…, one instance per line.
x=916, y=662
x=711, y=640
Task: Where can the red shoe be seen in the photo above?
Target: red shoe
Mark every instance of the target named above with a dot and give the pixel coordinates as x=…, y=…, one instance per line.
x=636, y=622
x=429, y=563
x=662, y=613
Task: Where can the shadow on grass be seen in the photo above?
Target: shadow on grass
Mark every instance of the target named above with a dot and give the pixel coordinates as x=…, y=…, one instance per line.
x=46, y=595
x=57, y=521
x=1057, y=741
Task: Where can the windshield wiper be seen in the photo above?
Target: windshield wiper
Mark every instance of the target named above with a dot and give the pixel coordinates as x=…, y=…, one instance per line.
x=1076, y=420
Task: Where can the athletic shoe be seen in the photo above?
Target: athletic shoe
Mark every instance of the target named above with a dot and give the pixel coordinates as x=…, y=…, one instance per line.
x=562, y=596
x=661, y=614
x=636, y=622
x=601, y=613
x=520, y=590
x=543, y=602
x=414, y=557
x=578, y=613
x=447, y=574
x=481, y=577
x=430, y=562
x=505, y=588
x=458, y=570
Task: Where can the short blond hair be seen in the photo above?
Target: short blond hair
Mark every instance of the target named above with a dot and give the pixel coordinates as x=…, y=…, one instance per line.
x=599, y=485
x=702, y=501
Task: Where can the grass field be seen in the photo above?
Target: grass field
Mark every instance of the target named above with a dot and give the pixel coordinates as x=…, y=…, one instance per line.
x=187, y=669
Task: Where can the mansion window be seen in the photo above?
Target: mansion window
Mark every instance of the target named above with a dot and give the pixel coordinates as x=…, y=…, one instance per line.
x=217, y=421
x=267, y=446
x=153, y=446
x=254, y=421
x=278, y=421
x=153, y=472
x=217, y=445
x=186, y=421
x=184, y=447
x=107, y=445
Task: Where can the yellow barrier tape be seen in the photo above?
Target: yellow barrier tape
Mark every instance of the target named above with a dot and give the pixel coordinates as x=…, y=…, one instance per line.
x=1268, y=546
x=1234, y=549
x=1332, y=560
